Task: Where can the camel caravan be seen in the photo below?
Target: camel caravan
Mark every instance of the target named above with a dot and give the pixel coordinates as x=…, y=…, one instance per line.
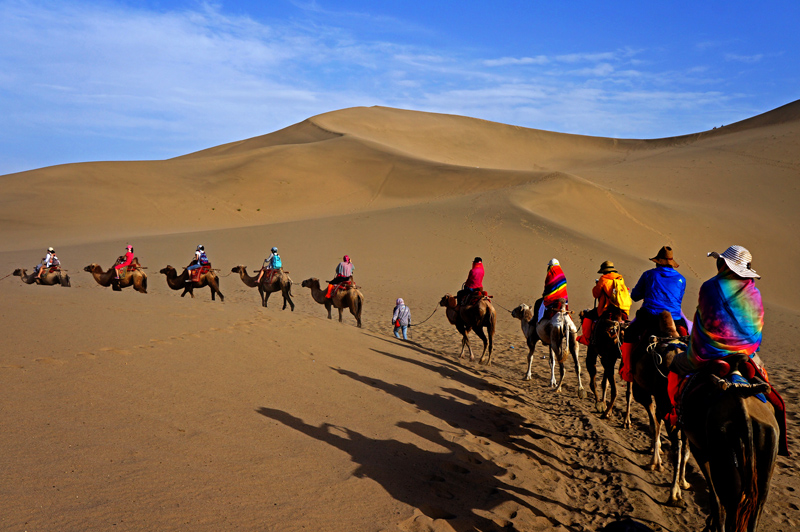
x=703, y=380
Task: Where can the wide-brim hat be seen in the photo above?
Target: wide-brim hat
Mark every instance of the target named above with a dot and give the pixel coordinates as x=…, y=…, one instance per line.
x=664, y=257
x=607, y=267
x=50, y=249
x=738, y=260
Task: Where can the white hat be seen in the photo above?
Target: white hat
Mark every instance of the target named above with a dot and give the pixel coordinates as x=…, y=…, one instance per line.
x=50, y=249
x=553, y=262
x=738, y=259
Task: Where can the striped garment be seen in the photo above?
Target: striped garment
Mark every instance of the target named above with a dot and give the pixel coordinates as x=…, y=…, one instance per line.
x=729, y=318
x=555, y=285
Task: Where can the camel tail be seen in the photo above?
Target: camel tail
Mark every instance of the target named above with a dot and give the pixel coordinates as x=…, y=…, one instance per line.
x=289, y=288
x=360, y=306
x=144, y=283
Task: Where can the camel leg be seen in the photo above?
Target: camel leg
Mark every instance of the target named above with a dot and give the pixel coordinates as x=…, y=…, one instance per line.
x=266, y=299
x=340, y=313
x=482, y=336
x=655, y=461
x=552, y=368
x=563, y=372
x=628, y=403
x=528, y=375
x=328, y=306
x=681, y=457
x=591, y=367
x=612, y=384
x=573, y=349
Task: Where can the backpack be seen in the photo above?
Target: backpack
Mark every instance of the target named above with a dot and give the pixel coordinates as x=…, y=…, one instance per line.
x=620, y=297
x=276, y=261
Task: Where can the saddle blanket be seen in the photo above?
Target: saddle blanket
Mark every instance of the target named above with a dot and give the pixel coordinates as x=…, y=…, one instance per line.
x=199, y=272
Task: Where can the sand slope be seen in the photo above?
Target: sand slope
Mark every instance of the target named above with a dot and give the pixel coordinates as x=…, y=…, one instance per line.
x=158, y=412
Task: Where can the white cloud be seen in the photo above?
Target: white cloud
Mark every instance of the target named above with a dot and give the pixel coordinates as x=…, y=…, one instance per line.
x=504, y=61
x=755, y=58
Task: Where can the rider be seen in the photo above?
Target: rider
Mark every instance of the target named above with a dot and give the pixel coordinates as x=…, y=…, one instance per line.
x=555, y=288
x=474, y=282
x=729, y=320
x=126, y=261
x=200, y=260
x=344, y=273
x=661, y=288
x=49, y=261
x=611, y=294
x=273, y=262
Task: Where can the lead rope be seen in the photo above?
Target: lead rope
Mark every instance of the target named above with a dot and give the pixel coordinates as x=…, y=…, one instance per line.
x=426, y=319
x=9, y=275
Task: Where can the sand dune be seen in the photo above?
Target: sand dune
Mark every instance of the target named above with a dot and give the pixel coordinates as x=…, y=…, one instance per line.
x=154, y=411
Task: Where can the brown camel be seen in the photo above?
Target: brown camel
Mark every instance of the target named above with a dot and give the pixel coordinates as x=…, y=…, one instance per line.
x=649, y=386
x=476, y=316
x=178, y=282
x=734, y=437
x=280, y=283
x=351, y=298
x=136, y=278
x=606, y=342
x=49, y=278
x=552, y=332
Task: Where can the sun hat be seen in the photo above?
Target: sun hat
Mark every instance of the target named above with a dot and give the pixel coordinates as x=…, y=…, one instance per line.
x=738, y=260
x=664, y=257
x=50, y=249
x=400, y=301
x=553, y=262
x=129, y=247
x=607, y=267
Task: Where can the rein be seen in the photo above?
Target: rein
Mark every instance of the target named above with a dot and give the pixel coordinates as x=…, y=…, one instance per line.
x=9, y=275
x=426, y=319
x=501, y=306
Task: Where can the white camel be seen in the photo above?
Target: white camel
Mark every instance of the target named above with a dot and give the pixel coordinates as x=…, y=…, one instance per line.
x=551, y=332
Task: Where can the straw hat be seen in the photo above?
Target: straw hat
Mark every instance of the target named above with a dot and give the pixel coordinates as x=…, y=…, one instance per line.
x=664, y=257
x=738, y=259
x=607, y=267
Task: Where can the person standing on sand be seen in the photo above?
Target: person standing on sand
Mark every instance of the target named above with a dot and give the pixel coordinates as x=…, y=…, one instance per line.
x=401, y=319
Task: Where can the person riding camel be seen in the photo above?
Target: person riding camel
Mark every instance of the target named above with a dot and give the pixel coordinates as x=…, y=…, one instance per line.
x=200, y=259
x=555, y=289
x=126, y=261
x=661, y=288
x=344, y=273
x=728, y=321
x=48, y=262
x=612, y=297
x=273, y=262
x=474, y=282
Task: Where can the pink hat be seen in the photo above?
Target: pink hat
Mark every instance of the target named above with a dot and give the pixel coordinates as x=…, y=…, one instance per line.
x=129, y=247
x=347, y=258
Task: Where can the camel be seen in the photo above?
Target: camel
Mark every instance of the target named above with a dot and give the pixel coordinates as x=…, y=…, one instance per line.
x=734, y=437
x=649, y=386
x=552, y=332
x=351, y=298
x=476, y=316
x=280, y=283
x=606, y=343
x=178, y=282
x=49, y=278
x=136, y=278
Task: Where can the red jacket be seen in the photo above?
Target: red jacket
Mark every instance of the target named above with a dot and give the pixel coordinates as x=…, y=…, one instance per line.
x=475, y=277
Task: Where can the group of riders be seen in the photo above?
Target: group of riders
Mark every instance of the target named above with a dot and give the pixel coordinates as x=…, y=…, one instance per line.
x=201, y=263
x=728, y=321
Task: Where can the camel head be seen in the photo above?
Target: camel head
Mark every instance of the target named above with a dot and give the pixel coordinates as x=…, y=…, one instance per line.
x=93, y=267
x=20, y=272
x=522, y=312
x=310, y=283
x=239, y=269
x=167, y=270
x=448, y=301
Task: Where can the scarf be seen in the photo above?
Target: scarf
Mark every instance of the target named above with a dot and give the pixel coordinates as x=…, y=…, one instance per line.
x=555, y=285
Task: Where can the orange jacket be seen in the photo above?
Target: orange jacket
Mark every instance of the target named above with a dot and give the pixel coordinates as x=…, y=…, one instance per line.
x=603, y=292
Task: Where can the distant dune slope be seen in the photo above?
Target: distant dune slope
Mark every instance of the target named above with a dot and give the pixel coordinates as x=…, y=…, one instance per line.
x=699, y=192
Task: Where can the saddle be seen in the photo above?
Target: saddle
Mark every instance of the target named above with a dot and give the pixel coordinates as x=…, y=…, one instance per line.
x=738, y=374
x=472, y=298
x=343, y=286
x=199, y=272
x=269, y=274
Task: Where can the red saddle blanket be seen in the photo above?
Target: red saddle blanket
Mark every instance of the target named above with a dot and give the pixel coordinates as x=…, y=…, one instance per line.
x=199, y=272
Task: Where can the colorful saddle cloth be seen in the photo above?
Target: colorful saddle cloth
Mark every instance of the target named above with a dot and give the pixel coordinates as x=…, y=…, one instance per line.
x=200, y=272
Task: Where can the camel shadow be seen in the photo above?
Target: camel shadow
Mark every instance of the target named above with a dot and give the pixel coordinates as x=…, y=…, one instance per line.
x=456, y=485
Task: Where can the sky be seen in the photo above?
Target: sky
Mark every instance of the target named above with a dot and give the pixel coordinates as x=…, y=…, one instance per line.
x=93, y=80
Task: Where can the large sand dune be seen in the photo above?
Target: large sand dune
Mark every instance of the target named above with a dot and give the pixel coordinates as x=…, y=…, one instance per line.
x=134, y=412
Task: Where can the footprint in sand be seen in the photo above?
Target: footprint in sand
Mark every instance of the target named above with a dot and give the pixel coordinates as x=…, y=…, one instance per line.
x=115, y=351
x=85, y=354
x=49, y=361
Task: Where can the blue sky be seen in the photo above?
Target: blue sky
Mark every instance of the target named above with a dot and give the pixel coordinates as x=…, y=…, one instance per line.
x=134, y=80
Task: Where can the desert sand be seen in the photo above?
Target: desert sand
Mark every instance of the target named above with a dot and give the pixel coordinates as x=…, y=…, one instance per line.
x=131, y=411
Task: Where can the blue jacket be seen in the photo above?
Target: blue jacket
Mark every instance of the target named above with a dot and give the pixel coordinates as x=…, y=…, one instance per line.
x=662, y=288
